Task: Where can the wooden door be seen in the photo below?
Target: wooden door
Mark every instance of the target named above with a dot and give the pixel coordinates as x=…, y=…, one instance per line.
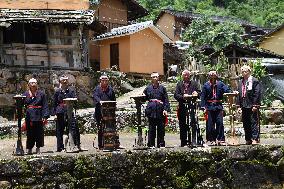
x=114, y=55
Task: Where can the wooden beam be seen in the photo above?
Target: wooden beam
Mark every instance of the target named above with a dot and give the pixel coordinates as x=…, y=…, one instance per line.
x=25, y=48
x=234, y=55
x=1, y=47
x=48, y=46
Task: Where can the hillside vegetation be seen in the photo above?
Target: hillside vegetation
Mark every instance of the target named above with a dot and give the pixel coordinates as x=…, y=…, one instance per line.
x=266, y=13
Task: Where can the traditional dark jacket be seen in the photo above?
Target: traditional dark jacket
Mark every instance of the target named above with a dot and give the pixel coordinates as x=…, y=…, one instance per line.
x=252, y=95
x=36, y=106
x=182, y=89
x=102, y=95
x=158, y=101
x=58, y=103
x=212, y=95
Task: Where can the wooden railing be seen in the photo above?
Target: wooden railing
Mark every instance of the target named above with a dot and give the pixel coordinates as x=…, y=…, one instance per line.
x=111, y=25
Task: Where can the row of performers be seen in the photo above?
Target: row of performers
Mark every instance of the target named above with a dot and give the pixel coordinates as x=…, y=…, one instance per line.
x=212, y=94
x=157, y=108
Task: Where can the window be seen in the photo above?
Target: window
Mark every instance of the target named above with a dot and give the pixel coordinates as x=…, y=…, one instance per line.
x=13, y=34
x=35, y=33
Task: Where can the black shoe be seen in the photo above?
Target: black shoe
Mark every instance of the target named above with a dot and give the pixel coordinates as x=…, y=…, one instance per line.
x=248, y=142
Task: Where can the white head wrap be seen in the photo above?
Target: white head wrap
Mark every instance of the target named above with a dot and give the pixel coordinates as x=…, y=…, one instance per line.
x=63, y=77
x=104, y=77
x=32, y=80
x=155, y=74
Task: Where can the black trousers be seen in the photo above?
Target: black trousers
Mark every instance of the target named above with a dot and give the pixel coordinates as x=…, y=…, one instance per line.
x=61, y=125
x=100, y=133
x=156, y=124
x=250, y=124
x=35, y=134
x=184, y=127
x=215, y=126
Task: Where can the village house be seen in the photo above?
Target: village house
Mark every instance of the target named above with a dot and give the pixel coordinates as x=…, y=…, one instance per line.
x=112, y=14
x=273, y=41
x=173, y=23
x=46, y=34
x=135, y=49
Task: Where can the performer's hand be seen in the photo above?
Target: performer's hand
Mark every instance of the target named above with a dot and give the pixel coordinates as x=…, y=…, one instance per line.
x=195, y=93
x=165, y=113
x=239, y=110
x=185, y=96
x=236, y=92
x=254, y=109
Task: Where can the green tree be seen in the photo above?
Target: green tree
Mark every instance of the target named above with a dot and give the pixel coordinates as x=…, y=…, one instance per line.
x=268, y=13
x=204, y=31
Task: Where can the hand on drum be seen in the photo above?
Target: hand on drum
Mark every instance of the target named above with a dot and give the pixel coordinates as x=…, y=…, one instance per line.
x=194, y=93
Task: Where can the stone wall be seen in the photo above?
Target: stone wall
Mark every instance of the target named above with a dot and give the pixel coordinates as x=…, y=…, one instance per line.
x=15, y=82
x=232, y=167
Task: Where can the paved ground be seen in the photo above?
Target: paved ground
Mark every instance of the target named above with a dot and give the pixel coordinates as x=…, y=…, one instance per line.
x=127, y=140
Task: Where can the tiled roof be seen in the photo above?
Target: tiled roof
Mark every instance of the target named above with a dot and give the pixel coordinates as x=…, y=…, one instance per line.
x=8, y=16
x=131, y=29
x=271, y=32
x=258, y=52
x=190, y=15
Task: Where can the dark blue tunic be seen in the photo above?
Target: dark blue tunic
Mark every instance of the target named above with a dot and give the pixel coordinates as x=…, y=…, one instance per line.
x=181, y=90
x=37, y=106
x=211, y=101
x=155, y=108
x=59, y=95
x=100, y=95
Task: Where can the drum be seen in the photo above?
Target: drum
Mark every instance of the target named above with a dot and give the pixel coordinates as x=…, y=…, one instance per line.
x=110, y=136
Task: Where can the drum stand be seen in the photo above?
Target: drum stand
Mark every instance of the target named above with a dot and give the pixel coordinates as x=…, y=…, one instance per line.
x=70, y=146
x=194, y=136
x=139, y=143
x=110, y=136
x=232, y=139
x=19, y=151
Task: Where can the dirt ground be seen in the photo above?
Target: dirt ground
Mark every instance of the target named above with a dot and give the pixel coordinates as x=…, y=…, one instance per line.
x=127, y=140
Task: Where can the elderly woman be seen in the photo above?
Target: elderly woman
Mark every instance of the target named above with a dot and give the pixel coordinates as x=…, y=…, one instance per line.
x=36, y=114
x=211, y=102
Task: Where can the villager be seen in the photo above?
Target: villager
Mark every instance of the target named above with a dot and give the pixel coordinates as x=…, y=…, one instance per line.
x=103, y=92
x=211, y=103
x=249, y=102
x=60, y=110
x=36, y=115
x=156, y=110
x=173, y=70
x=185, y=88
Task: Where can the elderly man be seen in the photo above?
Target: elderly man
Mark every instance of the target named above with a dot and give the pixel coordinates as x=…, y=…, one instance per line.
x=211, y=102
x=156, y=110
x=36, y=114
x=249, y=101
x=103, y=92
x=184, y=88
x=60, y=109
